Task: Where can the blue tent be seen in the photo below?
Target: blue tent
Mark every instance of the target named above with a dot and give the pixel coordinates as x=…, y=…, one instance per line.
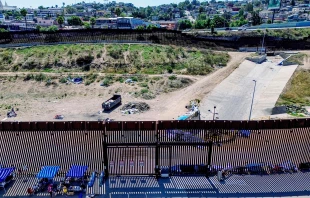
x=5, y=172
x=48, y=172
x=77, y=171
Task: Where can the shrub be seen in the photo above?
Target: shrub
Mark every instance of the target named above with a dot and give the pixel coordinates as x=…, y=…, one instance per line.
x=169, y=69
x=106, y=82
x=120, y=79
x=88, y=82
x=40, y=77
x=28, y=77
x=172, y=77
x=63, y=80
x=84, y=60
x=143, y=91
x=15, y=68
x=134, y=78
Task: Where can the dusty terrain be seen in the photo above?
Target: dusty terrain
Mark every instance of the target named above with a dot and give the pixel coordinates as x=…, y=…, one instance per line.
x=37, y=102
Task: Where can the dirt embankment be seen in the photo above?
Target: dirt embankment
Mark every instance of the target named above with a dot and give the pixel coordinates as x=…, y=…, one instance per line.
x=37, y=102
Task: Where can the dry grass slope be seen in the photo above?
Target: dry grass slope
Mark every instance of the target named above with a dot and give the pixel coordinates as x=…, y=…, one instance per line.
x=119, y=58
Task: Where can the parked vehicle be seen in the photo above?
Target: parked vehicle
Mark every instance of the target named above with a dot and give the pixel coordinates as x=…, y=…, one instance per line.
x=242, y=28
x=112, y=102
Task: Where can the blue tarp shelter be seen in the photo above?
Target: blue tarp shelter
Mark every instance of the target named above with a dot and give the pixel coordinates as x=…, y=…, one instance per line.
x=48, y=172
x=245, y=133
x=183, y=117
x=76, y=171
x=5, y=172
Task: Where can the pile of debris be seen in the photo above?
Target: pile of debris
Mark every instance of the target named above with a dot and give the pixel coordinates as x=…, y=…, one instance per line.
x=134, y=107
x=11, y=113
x=296, y=109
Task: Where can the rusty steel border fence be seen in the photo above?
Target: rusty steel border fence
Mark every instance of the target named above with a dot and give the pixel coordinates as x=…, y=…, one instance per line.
x=144, y=147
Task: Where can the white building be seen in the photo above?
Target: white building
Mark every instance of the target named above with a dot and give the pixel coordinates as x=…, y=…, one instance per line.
x=6, y=7
x=2, y=18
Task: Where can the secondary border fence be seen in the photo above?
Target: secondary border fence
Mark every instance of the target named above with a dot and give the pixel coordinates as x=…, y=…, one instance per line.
x=158, y=36
x=145, y=147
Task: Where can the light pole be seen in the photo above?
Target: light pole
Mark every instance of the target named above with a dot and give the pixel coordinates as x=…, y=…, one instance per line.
x=263, y=42
x=213, y=112
x=252, y=99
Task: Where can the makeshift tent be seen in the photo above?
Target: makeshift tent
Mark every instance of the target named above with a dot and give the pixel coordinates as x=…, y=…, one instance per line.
x=77, y=171
x=5, y=172
x=48, y=172
x=245, y=133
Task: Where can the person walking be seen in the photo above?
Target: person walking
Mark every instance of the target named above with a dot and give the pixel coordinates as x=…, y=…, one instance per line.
x=50, y=189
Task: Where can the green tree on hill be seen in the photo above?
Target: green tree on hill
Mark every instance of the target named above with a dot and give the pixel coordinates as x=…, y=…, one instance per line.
x=23, y=12
x=293, y=3
x=60, y=20
x=92, y=21
x=74, y=20
x=118, y=12
x=86, y=25
x=219, y=22
x=256, y=19
x=184, y=24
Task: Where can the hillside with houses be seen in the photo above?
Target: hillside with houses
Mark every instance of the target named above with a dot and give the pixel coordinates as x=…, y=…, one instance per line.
x=181, y=16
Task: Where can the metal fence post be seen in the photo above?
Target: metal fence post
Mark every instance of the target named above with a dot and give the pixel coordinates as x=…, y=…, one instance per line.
x=209, y=157
x=157, y=150
x=105, y=152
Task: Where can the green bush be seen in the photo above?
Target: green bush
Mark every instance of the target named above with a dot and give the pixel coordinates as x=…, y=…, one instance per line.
x=143, y=91
x=172, y=77
x=134, y=78
x=106, y=82
x=144, y=85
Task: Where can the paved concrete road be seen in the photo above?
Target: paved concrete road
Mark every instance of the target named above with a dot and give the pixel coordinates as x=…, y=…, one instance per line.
x=233, y=96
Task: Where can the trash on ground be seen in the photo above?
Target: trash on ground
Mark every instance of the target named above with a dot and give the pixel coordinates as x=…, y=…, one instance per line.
x=11, y=113
x=135, y=107
x=77, y=80
x=129, y=80
x=59, y=117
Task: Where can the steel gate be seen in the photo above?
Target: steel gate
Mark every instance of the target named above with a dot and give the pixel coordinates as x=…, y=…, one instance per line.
x=179, y=160
x=131, y=160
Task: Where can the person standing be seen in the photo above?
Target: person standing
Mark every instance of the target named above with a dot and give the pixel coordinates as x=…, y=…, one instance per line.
x=64, y=191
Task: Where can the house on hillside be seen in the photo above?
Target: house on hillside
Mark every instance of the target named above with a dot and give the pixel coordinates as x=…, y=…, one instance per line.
x=106, y=23
x=169, y=25
x=46, y=22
